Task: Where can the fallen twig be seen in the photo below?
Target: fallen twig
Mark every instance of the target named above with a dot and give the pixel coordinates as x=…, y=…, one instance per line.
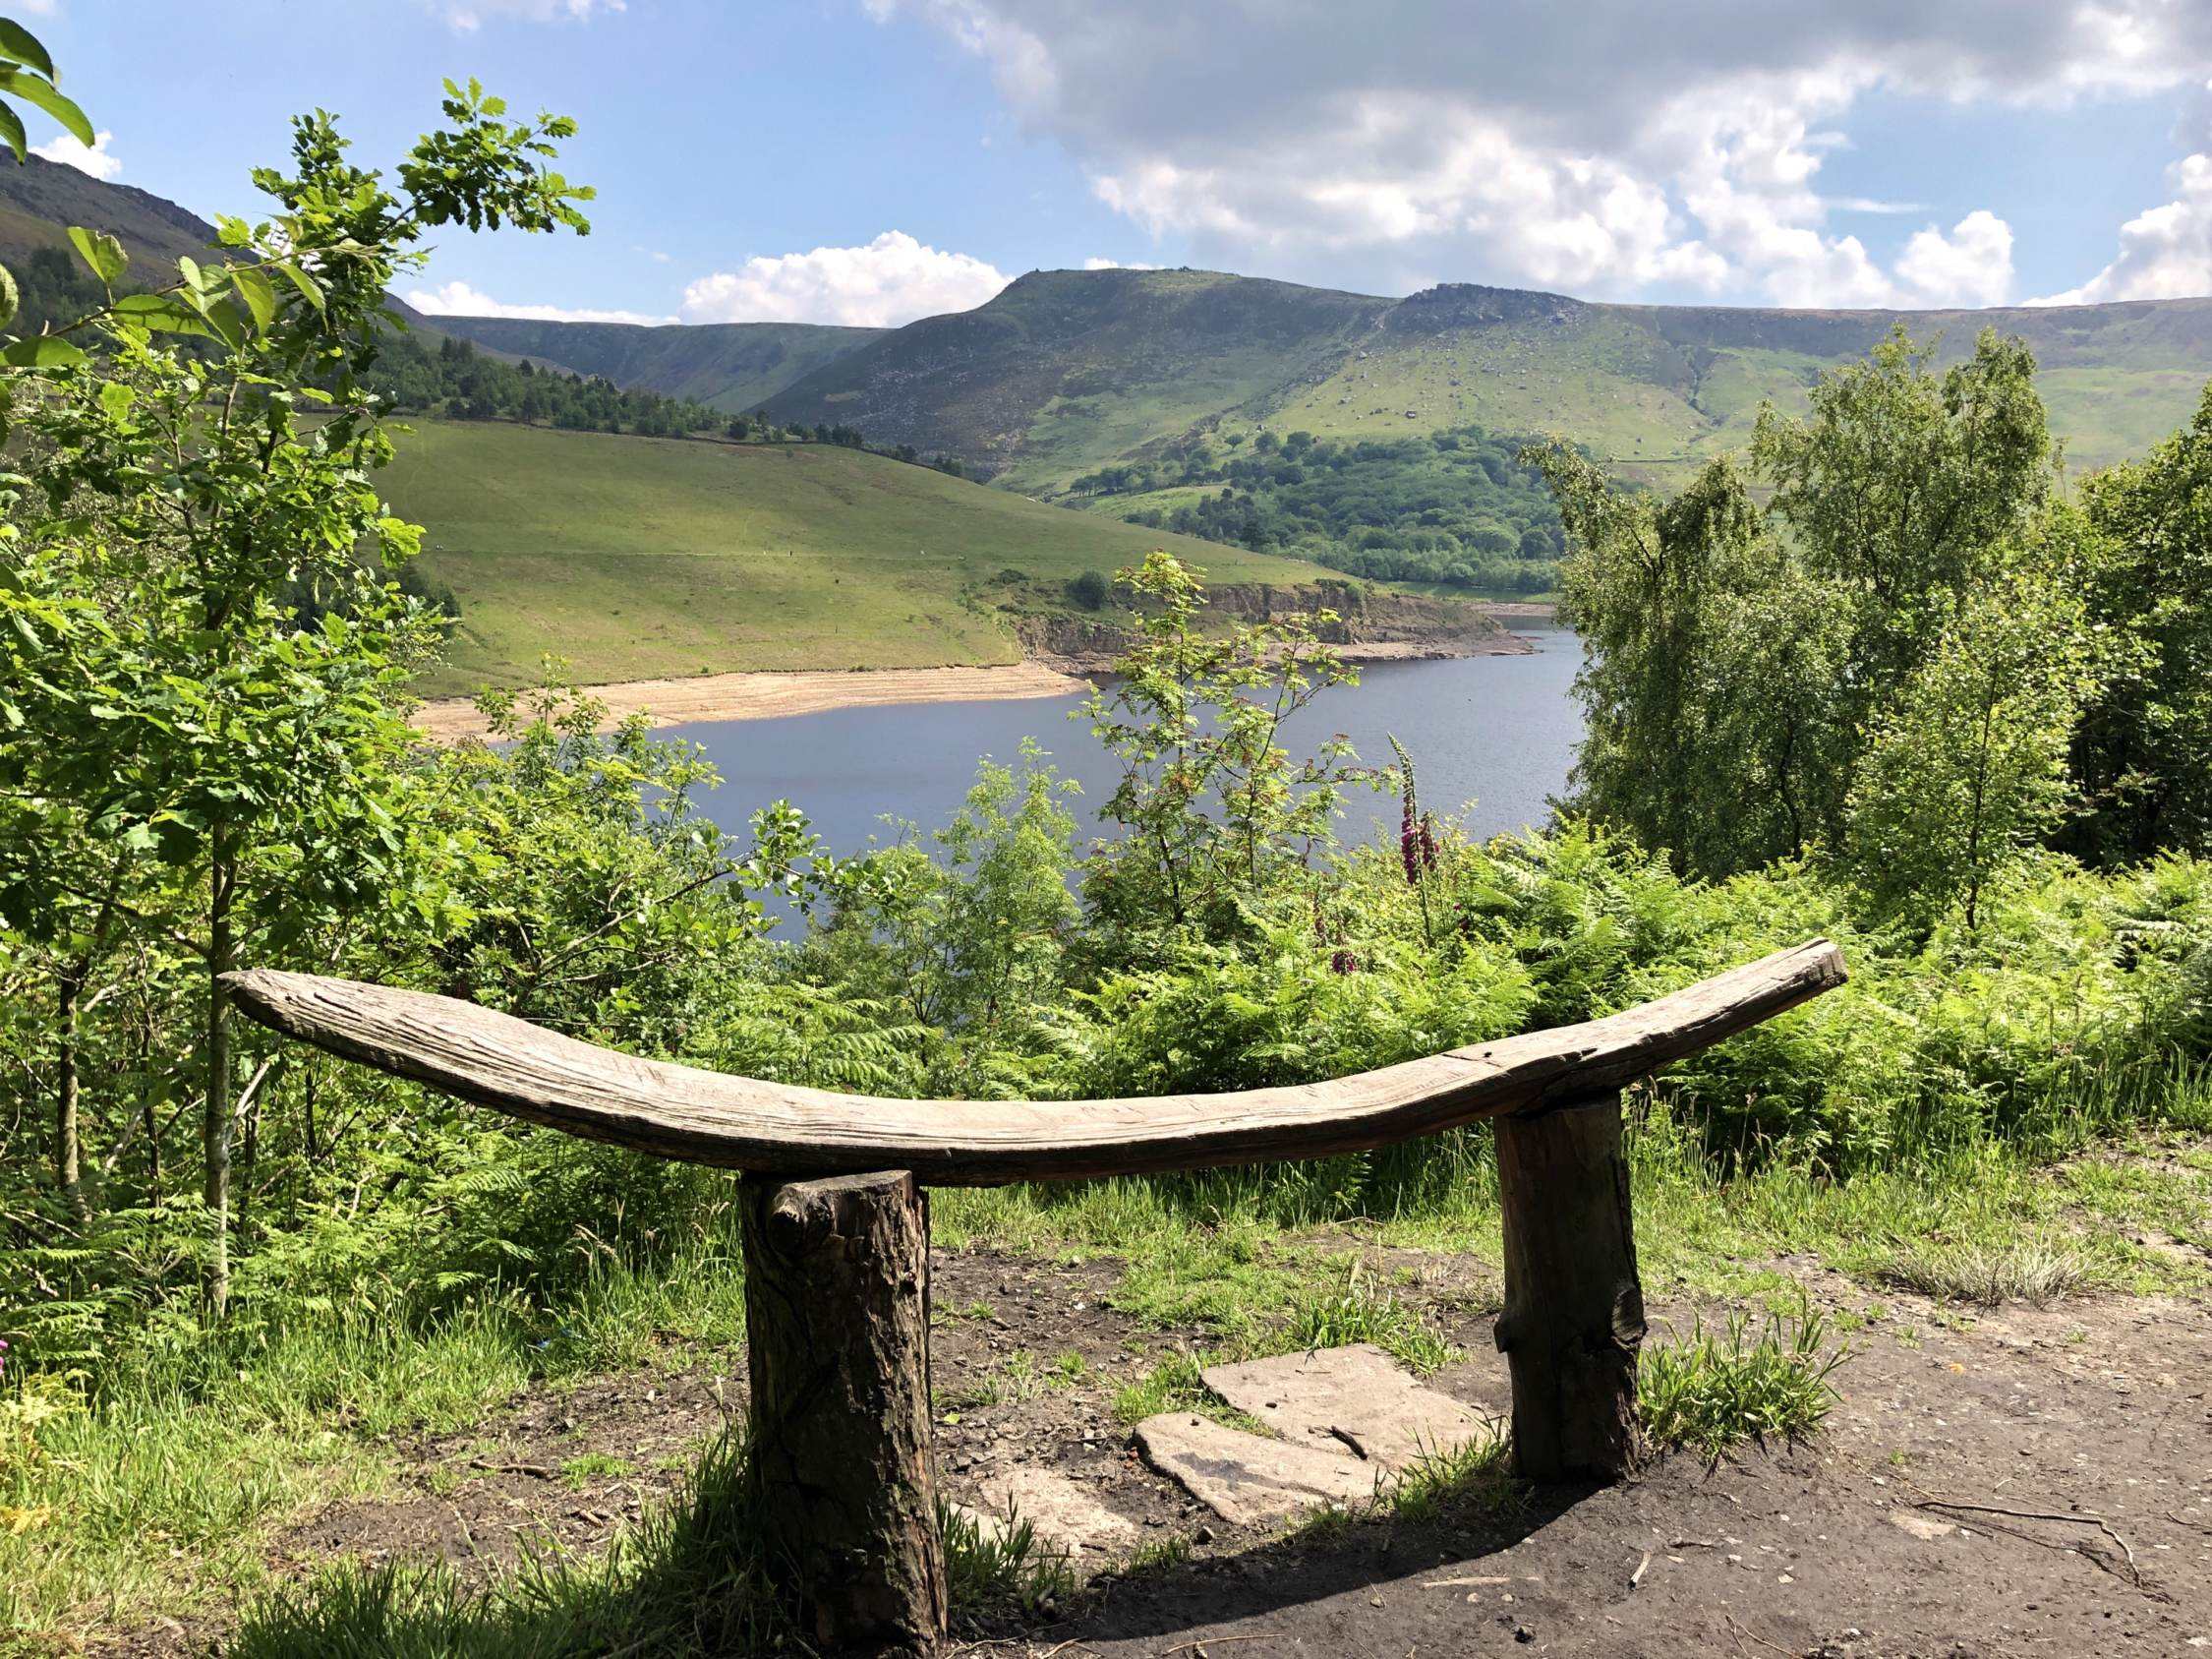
x=536, y=1471
x=2080, y=1517
x=1201, y=1644
x=1739, y=1632
x=1642, y=1567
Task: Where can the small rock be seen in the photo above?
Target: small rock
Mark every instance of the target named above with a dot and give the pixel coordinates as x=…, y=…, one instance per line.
x=1924, y=1527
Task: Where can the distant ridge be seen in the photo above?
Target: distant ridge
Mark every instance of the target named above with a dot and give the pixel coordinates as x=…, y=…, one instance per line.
x=733, y=366
x=1066, y=371
x=1069, y=371
x=40, y=200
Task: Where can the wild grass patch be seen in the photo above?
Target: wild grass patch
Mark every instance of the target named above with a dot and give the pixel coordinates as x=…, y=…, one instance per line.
x=1716, y=1389
x=1364, y=1312
x=688, y=1580
x=1000, y=1564
x=1475, y=1476
x=2034, y=1270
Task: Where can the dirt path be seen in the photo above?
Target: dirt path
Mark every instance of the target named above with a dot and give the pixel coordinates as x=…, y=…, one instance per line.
x=770, y=696
x=1837, y=1549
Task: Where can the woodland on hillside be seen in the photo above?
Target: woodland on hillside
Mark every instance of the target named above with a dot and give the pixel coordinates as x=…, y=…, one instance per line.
x=1458, y=507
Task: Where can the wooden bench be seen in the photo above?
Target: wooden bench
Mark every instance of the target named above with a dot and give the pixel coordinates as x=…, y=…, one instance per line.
x=836, y=1226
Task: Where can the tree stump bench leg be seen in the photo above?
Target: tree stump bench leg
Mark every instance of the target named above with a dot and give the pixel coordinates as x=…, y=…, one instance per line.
x=1574, y=1304
x=837, y=1336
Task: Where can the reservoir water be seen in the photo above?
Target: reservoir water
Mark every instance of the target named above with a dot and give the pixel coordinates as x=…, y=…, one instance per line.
x=1491, y=739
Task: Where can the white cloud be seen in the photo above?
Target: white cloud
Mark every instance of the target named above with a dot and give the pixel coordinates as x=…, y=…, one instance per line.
x=2165, y=253
x=1971, y=265
x=468, y=15
x=1612, y=146
x=1098, y=262
x=458, y=299
x=70, y=152
x=890, y=280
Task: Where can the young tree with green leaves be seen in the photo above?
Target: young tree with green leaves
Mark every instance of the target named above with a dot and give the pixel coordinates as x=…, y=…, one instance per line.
x=1212, y=806
x=1965, y=767
x=194, y=460
x=1711, y=675
x=2143, y=751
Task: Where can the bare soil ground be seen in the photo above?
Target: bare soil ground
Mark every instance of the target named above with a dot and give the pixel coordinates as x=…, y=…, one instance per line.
x=2082, y=1430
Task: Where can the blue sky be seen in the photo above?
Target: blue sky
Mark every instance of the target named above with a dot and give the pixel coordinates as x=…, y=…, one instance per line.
x=871, y=160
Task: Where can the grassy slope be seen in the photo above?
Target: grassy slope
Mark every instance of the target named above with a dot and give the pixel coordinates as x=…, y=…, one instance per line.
x=635, y=558
x=1069, y=371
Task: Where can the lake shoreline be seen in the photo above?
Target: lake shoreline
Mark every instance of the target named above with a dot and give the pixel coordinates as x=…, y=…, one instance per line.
x=775, y=694
x=778, y=693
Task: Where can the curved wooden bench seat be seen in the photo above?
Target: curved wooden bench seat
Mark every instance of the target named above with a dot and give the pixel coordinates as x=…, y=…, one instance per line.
x=836, y=1270
x=698, y=1116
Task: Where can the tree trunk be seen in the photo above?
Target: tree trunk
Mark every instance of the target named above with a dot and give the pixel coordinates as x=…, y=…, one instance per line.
x=836, y=1319
x=214, y=1133
x=69, y=1152
x=1574, y=1306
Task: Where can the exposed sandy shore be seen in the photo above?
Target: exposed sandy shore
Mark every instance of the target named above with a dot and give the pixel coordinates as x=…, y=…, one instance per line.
x=766, y=696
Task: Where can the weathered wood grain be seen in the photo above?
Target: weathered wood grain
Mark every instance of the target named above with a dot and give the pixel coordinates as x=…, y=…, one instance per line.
x=1573, y=1319
x=708, y=1117
x=836, y=1345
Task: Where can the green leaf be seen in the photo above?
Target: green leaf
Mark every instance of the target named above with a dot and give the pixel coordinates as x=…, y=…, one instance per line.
x=19, y=45
x=310, y=289
x=41, y=351
x=195, y=279
x=116, y=399
x=11, y=128
x=101, y=251
x=228, y=322
x=233, y=231
x=258, y=295
x=9, y=300
x=162, y=312
x=31, y=90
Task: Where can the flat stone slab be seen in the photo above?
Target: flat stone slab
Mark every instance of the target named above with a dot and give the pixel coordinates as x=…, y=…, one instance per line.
x=1248, y=1479
x=1066, y=1514
x=1355, y=1396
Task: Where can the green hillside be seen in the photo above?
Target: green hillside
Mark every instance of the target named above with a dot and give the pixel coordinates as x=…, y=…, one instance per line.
x=732, y=366
x=1066, y=372
x=635, y=558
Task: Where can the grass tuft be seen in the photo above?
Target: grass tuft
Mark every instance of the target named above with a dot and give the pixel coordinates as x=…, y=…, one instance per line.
x=1361, y=1312
x=1988, y=1275
x=1474, y=1477
x=1001, y=1566
x=688, y=1580
x=1714, y=1391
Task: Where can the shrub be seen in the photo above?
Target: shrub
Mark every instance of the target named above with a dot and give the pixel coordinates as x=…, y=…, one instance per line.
x=1090, y=589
